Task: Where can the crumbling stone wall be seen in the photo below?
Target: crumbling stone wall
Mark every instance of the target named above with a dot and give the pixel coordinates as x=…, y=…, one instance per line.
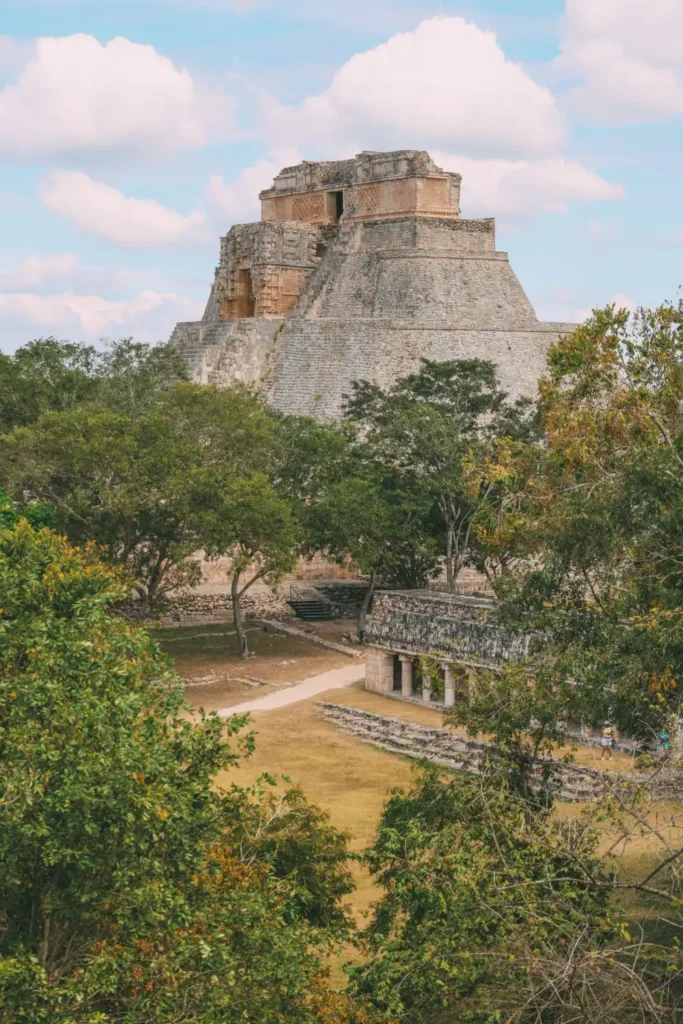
x=346, y=596
x=374, y=186
x=225, y=351
x=399, y=278
x=263, y=269
x=213, y=606
x=457, y=753
x=427, y=622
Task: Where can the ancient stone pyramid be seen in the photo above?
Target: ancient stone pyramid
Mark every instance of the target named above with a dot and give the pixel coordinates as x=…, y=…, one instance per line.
x=358, y=269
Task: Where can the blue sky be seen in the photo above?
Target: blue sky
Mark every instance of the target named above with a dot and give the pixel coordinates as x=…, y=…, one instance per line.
x=134, y=133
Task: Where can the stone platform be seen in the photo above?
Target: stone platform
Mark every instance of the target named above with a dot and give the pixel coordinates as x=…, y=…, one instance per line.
x=360, y=269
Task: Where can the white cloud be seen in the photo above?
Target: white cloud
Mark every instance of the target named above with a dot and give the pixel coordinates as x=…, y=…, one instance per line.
x=100, y=209
x=603, y=230
x=149, y=316
x=517, y=189
x=64, y=270
x=622, y=301
x=56, y=294
x=35, y=271
x=619, y=300
x=563, y=305
x=628, y=57
x=448, y=87
x=14, y=53
x=447, y=83
x=238, y=201
x=76, y=95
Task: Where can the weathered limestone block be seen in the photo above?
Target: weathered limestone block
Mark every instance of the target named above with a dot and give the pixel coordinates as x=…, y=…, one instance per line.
x=228, y=350
x=457, y=753
x=449, y=686
x=316, y=360
x=379, y=671
x=428, y=622
x=406, y=676
x=370, y=269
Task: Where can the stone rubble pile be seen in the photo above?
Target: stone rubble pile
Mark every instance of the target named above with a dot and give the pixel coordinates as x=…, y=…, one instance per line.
x=456, y=753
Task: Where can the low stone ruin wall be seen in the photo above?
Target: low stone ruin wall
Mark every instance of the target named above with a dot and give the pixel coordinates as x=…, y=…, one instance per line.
x=456, y=753
x=347, y=596
x=426, y=622
x=213, y=608
x=277, y=626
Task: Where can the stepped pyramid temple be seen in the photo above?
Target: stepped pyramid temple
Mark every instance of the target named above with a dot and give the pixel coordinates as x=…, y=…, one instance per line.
x=358, y=269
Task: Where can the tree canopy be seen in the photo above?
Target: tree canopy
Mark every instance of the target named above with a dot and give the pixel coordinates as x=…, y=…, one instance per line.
x=491, y=912
x=425, y=426
x=141, y=484
x=593, y=517
x=50, y=375
x=133, y=887
x=137, y=884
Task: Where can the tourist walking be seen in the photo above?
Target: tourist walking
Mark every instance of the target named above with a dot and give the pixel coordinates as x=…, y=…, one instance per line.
x=607, y=742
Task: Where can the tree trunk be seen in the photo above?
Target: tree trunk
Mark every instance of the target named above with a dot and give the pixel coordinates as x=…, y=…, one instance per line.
x=362, y=618
x=44, y=949
x=154, y=582
x=237, y=616
x=450, y=575
x=144, y=603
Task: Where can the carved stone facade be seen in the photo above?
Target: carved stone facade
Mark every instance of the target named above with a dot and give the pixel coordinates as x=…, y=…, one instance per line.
x=457, y=630
x=358, y=269
x=262, y=271
x=374, y=186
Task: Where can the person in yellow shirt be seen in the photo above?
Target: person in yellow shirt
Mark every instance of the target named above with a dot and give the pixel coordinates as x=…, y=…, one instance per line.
x=607, y=742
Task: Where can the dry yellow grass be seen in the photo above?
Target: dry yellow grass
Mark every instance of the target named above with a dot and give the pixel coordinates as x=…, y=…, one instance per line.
x=208, y=659
x=349, y=779
x=352, y=780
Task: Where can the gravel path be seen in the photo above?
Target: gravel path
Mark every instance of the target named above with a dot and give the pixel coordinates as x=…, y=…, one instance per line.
x=335, y=679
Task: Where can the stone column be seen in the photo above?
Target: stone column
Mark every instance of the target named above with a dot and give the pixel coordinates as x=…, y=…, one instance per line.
x=379, y=670
x=449, y=687
x=426, y=688
x=406, y=675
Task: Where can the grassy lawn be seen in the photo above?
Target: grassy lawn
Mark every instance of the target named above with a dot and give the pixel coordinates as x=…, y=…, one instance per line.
x=348, y=778
x=351, y=780
x=208, y=659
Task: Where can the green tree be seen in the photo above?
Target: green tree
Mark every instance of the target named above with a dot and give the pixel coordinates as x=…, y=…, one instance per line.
x=37, y=513
x=140, y=484
x=522, y=710
x=426, y=425
x=49, y=375
x=132, y=375
x=253, y=524
x=594, y=518
x=492, y=913
x=382, y=529
x=133, y=887
x=354, y=507
x=45, y=374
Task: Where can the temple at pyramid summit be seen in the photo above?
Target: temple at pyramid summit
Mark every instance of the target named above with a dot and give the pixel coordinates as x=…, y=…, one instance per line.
x=358, y=269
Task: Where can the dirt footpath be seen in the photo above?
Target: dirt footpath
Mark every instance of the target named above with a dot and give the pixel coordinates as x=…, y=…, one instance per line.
x=216, y=676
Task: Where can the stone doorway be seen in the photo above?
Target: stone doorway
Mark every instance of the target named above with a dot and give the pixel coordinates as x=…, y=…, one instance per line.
x=246, y=302
x=335, y=205
x=398, y=669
